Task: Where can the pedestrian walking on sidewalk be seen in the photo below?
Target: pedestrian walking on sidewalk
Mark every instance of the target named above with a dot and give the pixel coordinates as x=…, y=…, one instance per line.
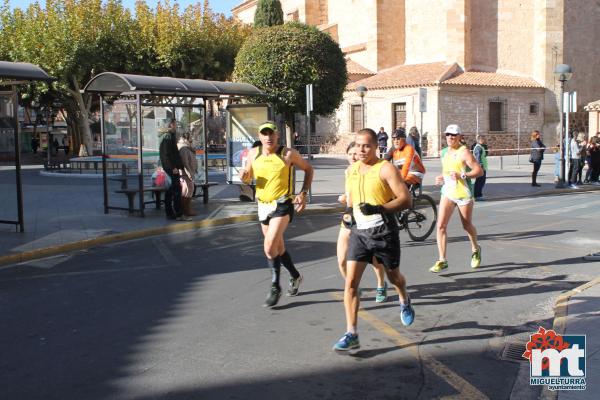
x=577, y=144
x=375, y=190
x=271, y=166
x=34, y=145
x=594, y=150
x=382, y=141
x=536, y=156
x=190, y=169
x=170, y=161
x=458, y=168
x=480, y=154
x=413, y=140
x=344, y=238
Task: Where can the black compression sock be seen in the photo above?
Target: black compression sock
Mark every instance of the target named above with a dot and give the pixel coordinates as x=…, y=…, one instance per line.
x=289, y=265
x=275, y=266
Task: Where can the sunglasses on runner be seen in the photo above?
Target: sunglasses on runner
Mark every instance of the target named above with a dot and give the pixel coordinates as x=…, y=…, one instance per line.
x=452, y=134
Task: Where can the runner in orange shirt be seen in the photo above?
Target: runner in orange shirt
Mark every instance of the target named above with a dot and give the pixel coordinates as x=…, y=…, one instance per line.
x=406, y=159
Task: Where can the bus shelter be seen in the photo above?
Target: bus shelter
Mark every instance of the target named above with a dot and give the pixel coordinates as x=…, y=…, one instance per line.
x=135, y=111
x=13, y=75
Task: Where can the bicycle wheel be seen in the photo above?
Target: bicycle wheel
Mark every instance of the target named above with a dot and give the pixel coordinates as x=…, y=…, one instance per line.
x=421, y=218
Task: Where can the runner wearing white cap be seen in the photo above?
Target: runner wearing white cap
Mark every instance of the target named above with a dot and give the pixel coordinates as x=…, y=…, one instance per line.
x=458, y=168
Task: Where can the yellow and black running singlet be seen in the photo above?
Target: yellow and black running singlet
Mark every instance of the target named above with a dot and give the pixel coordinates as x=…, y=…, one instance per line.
x=272, y=176
x=367, y=188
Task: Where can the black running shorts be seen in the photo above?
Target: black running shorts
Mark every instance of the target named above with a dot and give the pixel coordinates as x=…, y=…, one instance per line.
x=283, y=209
x=381, y=242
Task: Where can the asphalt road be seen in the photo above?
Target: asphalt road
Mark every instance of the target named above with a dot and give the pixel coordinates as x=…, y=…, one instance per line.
x=180, y=316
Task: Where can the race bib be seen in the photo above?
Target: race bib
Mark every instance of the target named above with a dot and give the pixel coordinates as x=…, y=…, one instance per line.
x=449, y=182
x=265, y=209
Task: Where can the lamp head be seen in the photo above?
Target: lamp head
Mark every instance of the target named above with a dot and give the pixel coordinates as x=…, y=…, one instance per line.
x=362, y=90
x=563, y=72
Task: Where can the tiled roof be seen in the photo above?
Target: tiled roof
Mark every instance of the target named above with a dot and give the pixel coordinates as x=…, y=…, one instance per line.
x=471, y=78
x=593, y=106
x=406, y=76
x=355, y=68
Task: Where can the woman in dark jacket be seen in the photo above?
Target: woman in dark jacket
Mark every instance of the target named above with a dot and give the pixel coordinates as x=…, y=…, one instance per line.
x=537, y=155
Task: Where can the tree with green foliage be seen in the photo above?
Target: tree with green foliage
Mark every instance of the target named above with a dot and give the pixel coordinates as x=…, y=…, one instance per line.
x=268, y=13
x=73, y=40
x=281, y=60
x=189, y=43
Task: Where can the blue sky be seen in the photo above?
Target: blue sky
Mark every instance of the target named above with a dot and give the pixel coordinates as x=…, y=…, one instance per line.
x=222, y=6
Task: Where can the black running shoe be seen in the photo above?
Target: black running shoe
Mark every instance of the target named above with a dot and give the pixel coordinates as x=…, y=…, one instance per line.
x=274, y=295
x=294, y=286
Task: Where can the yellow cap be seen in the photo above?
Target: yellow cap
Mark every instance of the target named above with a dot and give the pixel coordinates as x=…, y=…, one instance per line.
x=268, y=125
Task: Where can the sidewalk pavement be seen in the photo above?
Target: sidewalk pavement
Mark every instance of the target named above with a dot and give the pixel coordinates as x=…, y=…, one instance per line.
x=65, y=213
x=577, y=313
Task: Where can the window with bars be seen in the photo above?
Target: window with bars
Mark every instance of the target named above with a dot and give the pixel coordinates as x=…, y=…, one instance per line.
x=356, y=116
x=293, y=16
x=534, y=108
x=497, y=114
x=398, y=115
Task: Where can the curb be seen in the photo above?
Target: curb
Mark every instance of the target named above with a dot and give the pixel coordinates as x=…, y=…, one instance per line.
x=560, y=323
x=181, y=227
x=125, y=236
x=545, y=193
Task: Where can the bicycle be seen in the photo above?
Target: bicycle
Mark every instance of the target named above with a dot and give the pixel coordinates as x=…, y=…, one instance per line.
x=419, y=220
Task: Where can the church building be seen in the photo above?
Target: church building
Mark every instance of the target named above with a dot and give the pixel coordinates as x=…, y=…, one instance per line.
x=486, y=65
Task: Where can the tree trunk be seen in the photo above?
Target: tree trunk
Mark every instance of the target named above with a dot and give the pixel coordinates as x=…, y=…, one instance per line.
x=83, y=121
x=70, y=117
x=289, y=129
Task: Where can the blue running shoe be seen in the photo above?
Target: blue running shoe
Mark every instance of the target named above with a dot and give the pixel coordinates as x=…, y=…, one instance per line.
x=381, y=294
x=347, y=342
x=407, y=313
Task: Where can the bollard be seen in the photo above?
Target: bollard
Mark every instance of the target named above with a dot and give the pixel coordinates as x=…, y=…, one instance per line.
x=501, y=162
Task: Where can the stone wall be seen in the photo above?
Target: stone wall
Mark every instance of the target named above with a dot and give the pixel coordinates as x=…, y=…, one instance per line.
x=357, y=26
x=317, y=12
x=425, y=40
x=456, y=31
x=581, y=39
x=390, y=33
x=459, y=106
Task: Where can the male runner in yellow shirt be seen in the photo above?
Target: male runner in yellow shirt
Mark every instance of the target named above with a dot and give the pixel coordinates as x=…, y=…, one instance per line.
x=375, y=190
x=271, y=166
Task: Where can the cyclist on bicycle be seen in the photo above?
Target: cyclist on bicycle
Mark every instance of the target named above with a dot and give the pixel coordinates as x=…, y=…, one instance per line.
x=406, y=159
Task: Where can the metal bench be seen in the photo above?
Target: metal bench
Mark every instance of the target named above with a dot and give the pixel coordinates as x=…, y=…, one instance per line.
x=132, y=192
x=204, y=191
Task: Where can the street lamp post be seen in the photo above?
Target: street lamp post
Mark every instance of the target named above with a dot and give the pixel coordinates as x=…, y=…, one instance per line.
x=563, y=73
x=362, y=90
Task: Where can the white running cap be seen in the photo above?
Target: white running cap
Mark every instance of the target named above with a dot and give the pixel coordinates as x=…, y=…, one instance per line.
x=453, y=129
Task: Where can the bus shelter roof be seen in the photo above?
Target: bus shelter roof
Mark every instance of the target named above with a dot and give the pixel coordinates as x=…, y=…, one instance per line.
x=23, y=71
x=114, y=84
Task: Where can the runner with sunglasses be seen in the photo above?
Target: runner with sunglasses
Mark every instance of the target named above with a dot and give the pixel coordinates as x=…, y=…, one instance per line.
x=458, y=168
x=272, y=165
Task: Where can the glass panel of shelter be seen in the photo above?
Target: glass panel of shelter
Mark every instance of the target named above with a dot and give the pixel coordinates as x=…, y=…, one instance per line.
x=8, y=195
x=242, y=131
x=120, y=145
x=155, y=124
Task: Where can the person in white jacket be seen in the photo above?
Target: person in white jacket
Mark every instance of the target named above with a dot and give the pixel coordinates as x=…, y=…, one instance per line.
x=577, y=144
